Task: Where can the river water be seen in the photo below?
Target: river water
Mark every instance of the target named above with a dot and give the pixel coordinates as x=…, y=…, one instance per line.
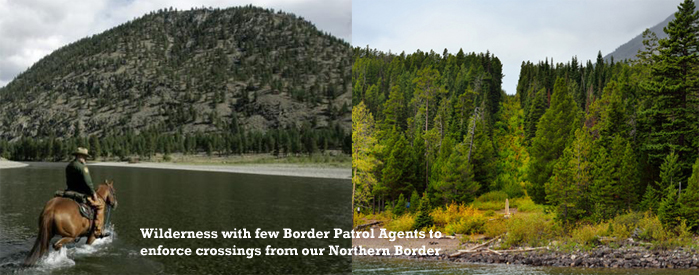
x=182, y=201
x=383, y=265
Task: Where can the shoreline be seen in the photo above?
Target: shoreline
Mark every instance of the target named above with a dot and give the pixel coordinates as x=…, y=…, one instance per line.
x=632, y=257
x=290, y=170
x=629, y=254
x=7, y=164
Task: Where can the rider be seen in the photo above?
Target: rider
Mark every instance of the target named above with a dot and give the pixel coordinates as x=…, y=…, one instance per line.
x=78, y=179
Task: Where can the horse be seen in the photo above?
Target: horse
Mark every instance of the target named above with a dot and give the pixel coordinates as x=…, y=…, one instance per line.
x=61, y=216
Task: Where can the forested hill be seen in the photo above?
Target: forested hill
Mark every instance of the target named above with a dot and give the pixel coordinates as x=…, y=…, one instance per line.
x=238, y=73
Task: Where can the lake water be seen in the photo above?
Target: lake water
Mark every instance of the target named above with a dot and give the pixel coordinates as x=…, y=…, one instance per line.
x=381, y=265
x=181, y=200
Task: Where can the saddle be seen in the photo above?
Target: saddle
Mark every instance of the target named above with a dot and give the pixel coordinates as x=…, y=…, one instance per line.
x=81, y=199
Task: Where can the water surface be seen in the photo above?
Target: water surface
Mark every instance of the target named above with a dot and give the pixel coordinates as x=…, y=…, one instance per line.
x=181, y=200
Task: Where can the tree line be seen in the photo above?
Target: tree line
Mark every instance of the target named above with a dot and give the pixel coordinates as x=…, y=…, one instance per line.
x=590, y=140
x=145, y=144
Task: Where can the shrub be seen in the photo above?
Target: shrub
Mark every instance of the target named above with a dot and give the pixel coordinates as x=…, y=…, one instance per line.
x=651, y=229
x=493, y=196
x=467, y=225
x=452, y=213
x=525, y=204
x=494, y=200
x=495, y=228
x=402, y=223
x=533, y=229
x=588, y=235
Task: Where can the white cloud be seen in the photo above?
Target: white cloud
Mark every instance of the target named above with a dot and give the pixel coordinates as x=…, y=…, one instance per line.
x=31, y=29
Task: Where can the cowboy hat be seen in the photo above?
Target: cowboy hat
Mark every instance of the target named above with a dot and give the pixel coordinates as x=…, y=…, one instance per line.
x=82, y=151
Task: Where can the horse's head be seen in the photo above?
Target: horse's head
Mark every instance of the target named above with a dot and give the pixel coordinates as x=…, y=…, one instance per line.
x=108, y=193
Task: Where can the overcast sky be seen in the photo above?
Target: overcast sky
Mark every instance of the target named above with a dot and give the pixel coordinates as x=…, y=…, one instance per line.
x=513, y=30
x=31, y=29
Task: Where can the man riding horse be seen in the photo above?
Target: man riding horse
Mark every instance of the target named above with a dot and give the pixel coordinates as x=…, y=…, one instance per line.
x=78, y=180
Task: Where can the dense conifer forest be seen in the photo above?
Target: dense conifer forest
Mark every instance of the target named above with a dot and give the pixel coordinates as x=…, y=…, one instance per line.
x=589, y=140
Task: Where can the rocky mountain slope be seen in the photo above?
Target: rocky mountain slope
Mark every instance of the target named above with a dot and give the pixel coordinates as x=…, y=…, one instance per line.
x=196, y=71
x=629, y=49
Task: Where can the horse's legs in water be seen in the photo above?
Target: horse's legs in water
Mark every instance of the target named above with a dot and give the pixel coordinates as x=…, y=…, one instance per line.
x=61, y=242
x=91, y=239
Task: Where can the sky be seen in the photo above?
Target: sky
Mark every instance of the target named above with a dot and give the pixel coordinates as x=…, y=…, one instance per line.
x=513, y=30
x=31, y=29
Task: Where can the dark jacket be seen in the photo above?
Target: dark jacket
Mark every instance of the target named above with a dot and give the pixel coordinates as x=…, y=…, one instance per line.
x=78, y=178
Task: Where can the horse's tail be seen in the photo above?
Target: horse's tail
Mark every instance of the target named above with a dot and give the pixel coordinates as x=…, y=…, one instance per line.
x=41, y=245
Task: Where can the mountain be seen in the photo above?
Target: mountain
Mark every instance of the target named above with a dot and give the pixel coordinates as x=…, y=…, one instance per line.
x=201, y=71
x=629, y=49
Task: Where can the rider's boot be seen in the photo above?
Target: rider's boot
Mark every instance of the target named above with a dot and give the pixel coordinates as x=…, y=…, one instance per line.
x=99, y=219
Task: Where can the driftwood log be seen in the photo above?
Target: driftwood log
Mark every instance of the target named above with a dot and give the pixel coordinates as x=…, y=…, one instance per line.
x=485, y=249
x=362, y=226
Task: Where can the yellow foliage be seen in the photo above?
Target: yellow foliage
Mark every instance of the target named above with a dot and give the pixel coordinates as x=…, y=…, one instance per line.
x=589, y=234
x=403, y=223
x=452, y=213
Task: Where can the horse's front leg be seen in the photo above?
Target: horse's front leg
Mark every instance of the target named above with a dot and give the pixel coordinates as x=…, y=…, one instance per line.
x=57, y=246
x=91, y=239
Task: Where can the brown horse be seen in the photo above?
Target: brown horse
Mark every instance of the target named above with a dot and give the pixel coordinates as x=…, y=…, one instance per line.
x=61, y=216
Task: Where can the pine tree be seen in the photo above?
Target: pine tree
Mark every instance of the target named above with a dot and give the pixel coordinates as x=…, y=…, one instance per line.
x=604, y=191
x=426, y=89
x=483, y=158
x=689, y=199
x=536, y=110
x=670, y=177
x=363, y=148
x=568, y=187
x=671, y=119
x=397, y=174
x=669, y=210
x=423, y=218
x=399, y=208
x=628, y=180
x=552, y=135
x=414, y=202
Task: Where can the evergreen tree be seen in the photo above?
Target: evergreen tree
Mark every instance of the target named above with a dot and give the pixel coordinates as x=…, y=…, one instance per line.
x=604, y=190
x=552, y=135
x=536, y=110
x=399, y=209
x=363, y=148
x=628, y=180
x=423, y=218
x=414, y=202
x=669, y=212
x=671, y=119
x=397, y=174
x=427, y=89
x=569, y=186
x=689, y=199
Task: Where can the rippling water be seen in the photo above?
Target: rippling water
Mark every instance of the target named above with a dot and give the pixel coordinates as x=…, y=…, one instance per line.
x=181, y=200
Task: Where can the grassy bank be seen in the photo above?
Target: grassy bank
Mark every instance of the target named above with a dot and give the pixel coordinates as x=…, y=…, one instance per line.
x=530, y=225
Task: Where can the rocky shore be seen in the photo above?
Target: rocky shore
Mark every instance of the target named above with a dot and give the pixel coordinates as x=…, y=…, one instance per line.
x=631, y=257
x=628, y=255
